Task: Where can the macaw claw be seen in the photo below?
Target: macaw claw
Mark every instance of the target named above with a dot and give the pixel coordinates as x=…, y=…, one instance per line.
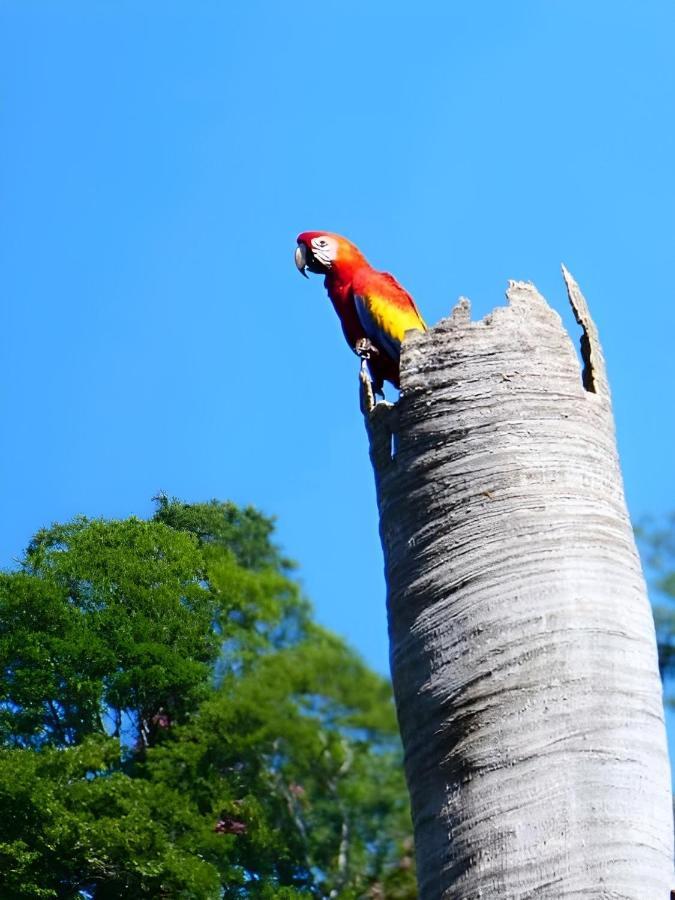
x=365, y=349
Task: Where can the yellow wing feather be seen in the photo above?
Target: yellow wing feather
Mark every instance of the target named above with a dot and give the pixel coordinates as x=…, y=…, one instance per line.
x=386, y=310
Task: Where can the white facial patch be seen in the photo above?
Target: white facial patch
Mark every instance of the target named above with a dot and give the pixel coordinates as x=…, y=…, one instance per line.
x=324, y=249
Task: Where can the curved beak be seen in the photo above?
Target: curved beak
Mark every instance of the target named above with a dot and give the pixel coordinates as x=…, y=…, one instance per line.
x=301, y=259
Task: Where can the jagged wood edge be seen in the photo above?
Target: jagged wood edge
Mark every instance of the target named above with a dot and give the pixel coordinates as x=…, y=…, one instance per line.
x=381, y=421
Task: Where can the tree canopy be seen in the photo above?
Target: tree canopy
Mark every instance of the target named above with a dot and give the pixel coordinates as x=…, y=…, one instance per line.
x=173, y=723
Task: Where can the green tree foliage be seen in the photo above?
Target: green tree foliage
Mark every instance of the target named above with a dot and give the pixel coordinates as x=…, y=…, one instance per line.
x=657, y=545
x=174, y=724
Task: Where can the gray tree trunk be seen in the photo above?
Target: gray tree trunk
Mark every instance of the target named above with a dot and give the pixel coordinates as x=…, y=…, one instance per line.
x=522, y=646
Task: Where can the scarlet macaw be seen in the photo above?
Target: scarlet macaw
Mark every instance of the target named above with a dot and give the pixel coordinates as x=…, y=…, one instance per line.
x=375, y=311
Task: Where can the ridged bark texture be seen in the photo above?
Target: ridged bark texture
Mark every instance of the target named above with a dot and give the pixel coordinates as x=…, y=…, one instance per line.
x=522, y=646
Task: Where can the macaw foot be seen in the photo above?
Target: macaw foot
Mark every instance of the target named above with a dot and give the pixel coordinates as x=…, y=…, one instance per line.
x=365, y=349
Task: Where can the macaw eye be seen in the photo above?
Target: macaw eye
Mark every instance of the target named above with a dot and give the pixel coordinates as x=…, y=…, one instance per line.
x=322, y=242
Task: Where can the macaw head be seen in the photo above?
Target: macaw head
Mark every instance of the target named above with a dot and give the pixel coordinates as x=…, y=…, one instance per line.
x=323, y=252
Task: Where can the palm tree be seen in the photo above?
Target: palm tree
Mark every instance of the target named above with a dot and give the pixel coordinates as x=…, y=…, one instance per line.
x=522, y=645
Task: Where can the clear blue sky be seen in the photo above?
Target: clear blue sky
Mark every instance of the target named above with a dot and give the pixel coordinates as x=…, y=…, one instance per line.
x=157, y=160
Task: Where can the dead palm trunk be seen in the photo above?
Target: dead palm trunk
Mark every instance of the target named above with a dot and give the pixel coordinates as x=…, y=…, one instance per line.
x=522, y=646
